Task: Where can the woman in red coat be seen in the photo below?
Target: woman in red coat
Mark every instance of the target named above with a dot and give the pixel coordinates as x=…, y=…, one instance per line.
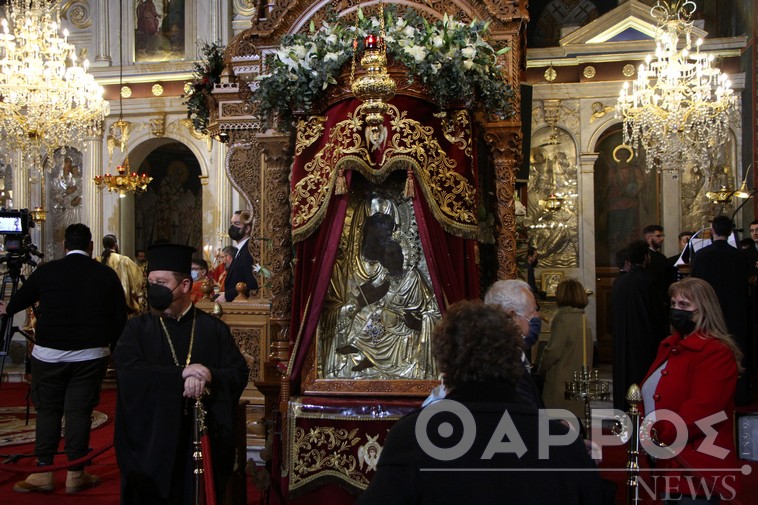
x=692, y=381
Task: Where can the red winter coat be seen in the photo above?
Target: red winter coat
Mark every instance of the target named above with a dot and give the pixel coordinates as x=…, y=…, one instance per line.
x=698, y=381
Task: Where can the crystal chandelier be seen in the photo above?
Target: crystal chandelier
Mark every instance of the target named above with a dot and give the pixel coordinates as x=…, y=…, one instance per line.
x=47, y=98
x=679, y=107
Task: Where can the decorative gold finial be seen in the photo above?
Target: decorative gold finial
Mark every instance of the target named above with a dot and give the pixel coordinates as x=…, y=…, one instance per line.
x=633, y=395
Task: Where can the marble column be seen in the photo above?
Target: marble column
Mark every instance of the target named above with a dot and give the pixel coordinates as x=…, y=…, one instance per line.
x=126, y=239
x=92, y=197
x=102, y=34
x=586, y=230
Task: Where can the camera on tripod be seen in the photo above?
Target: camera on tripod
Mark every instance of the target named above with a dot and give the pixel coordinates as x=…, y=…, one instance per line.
x=14, y=227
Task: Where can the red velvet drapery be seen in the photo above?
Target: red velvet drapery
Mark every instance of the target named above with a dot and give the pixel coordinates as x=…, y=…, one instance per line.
x=436, y=151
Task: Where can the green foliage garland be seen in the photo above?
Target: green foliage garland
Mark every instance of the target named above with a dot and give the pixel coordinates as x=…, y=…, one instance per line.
x=207, y=72
x=451, y=59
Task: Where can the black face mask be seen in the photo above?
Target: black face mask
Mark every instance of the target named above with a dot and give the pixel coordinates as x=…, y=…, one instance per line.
x=160, y=297
x=235, y=233
x=682, y=321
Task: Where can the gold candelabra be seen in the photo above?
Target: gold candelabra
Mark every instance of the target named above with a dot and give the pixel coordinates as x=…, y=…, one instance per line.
x=123, y=182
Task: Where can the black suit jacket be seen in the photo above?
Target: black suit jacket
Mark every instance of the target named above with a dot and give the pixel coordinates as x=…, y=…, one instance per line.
x=725, y=268
x=81, y=303
x=241, y=270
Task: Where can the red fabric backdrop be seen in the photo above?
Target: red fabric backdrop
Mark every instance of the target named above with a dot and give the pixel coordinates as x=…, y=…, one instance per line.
x=443, y=173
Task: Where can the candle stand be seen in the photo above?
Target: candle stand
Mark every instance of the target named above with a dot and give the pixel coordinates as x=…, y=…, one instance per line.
x=588, y=387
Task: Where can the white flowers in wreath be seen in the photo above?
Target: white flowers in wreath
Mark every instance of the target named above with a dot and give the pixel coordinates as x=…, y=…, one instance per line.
x=452, y=59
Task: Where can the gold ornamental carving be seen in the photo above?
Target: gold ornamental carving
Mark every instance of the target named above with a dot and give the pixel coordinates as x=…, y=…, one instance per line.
x=284, y=14
x=451, y=197
x=77, y=12
x=243, y=167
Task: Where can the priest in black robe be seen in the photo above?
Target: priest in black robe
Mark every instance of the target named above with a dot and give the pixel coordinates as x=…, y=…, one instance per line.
x=164, y=360
x=639, y=321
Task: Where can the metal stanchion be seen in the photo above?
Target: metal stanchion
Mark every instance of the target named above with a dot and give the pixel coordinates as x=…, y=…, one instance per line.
x=634, y=397
x=197, y=453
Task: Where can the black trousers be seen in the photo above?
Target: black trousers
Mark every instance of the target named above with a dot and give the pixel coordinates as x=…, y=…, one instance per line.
x=70, y=390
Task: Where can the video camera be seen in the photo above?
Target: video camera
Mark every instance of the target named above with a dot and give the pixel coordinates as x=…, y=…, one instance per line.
x=14, y=227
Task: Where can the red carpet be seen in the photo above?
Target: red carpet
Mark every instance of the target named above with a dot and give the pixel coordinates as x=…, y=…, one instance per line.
x=104, y=465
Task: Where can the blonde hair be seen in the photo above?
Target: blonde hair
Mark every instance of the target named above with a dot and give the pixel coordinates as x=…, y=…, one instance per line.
x=709, y=319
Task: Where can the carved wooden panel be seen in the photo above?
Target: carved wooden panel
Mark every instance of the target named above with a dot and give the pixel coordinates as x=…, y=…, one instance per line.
x=249, y=324
x=248, y=340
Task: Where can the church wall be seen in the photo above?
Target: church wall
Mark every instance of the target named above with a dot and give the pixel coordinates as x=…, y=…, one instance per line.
x=94, y=29
x=573, y=96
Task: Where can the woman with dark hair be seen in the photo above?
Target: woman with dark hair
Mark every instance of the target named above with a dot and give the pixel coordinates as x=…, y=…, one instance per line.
x=694, y=376
x=444, y=453
x=569, y=347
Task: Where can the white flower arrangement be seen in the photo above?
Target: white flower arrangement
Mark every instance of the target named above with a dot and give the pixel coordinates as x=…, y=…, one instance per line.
x=453, y=60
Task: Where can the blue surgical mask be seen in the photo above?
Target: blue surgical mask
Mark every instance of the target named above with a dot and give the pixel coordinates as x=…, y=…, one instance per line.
x=535, y=327
x=194, y=275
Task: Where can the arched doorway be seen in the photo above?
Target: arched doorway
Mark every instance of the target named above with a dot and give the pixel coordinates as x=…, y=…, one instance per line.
x=171, y=208
x=626, y=200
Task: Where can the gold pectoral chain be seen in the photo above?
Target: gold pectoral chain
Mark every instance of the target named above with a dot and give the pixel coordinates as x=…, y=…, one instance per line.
x=171, y=344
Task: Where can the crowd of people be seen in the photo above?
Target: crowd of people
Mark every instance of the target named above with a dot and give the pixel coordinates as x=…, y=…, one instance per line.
x=140, y=318
x=682, y=338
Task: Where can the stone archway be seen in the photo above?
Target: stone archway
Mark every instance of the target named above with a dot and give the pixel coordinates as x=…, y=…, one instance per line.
x=171, y=208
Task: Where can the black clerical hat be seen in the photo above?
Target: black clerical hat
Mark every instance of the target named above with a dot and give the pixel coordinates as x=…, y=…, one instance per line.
x=170, y=257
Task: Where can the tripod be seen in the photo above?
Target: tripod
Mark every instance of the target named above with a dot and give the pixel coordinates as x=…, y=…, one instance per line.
x=13, y=277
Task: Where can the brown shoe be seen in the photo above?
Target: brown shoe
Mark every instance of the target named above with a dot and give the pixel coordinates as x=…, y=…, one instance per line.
x=36, y=482
x=80, y=480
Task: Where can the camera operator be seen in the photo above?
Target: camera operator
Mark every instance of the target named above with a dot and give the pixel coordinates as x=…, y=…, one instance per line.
x=82, y=311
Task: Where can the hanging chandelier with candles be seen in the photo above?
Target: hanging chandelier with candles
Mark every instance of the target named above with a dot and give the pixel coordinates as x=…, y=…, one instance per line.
x=48, y=100
x=123, y=182
x=680, y=106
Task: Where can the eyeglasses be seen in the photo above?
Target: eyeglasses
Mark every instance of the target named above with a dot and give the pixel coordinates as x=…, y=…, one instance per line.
x=536, y=310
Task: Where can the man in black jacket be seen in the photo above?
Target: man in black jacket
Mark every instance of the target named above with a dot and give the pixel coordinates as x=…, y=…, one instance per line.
x=726, y=269
x=241, y=269
x=81, y=313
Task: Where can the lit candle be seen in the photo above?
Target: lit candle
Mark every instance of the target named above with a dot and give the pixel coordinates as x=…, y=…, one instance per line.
x=584, y=341
x=370, y=41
